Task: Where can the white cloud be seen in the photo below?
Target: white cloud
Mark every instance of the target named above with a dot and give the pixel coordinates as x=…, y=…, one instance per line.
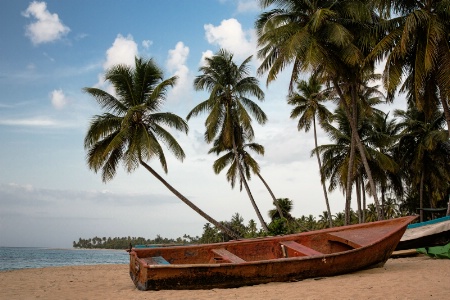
x=33, y=122
x=176, y=63
x=247, y=6
x=207, y=53
x=81, y=36
x=31, y=67
x=122, y=51
x=230, y=36
x=147, y=43
x=47, y=27
x=177, y=56
x=49, y=57
x=59, y=100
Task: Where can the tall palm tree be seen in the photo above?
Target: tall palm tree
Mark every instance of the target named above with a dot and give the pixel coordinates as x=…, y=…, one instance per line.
x=424, y=151
x=248, y=163
x=228, y=105
x=325, y=36
x=131, y=129
x=383, y=137
x=341, y=163
x=336, y=156
x=417, y=45
x=243, y=161
x=308, y=106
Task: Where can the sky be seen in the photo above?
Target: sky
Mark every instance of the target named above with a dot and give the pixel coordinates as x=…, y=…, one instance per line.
x=50, y=50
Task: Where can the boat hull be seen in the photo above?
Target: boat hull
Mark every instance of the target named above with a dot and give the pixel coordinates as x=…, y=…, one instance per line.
x=426, y=234
x=343, y=258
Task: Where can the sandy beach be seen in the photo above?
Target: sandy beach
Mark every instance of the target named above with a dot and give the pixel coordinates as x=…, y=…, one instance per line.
x=418, y=277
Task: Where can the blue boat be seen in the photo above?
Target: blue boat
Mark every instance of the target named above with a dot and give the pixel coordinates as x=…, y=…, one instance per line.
x=426, y=234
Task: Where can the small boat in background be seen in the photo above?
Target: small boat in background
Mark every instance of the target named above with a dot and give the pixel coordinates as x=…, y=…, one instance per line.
x=426, y=234
x=293, y=257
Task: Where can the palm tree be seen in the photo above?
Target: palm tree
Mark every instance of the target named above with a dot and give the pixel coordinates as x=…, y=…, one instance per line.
x=308, y=106
x=324, y=220
x=131, y=129
x=371, y=214
x=237, y=224
x=228, y=106
x=242, y=161
x=417, y=44
x=336, y=156
x=383, y=137
x=245, y=159
x=252, y=231
x=391, y=209
x=331, y=39
x=286, y=206
x=424, y=152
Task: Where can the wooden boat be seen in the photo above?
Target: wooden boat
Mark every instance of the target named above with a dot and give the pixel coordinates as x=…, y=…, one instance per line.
x=426, y=234
x=294, y=257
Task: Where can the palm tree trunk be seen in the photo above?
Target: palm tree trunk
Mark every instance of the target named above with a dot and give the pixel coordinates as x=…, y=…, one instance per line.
x=421, y=196
x=363, y=191
x=322, y=178
x=360, y=146
x=275, y=201
x=348, y=193
x=358, y=199
x=444, y=101
x=252, y=200
x=255, y=207
x=190, y=204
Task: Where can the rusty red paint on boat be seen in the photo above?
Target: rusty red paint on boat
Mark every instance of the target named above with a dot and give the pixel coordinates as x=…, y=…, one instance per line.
x=293, y=257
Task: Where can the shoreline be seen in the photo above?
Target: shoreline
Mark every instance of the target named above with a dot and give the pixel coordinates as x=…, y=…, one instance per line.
x=418, y=277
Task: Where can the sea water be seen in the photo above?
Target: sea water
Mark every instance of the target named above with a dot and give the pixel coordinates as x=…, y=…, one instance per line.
x=13, y=258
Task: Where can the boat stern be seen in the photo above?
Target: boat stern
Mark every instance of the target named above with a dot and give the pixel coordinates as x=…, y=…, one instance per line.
x=138, y=272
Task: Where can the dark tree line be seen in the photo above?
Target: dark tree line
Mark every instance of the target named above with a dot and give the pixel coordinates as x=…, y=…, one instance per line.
x=124, y=242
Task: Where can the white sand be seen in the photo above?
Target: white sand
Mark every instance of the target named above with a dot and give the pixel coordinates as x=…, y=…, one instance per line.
x=418, y=277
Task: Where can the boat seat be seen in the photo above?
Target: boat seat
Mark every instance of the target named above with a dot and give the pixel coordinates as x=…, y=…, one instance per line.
x=156, y=260
x=348, y=239
x=300, y=248
x=227, y=255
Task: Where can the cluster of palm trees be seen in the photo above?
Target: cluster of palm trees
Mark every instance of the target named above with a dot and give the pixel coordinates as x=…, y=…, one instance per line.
x=339, y=44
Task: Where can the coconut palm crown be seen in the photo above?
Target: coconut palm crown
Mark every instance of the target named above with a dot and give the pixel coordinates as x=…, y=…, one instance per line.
x=132, y=128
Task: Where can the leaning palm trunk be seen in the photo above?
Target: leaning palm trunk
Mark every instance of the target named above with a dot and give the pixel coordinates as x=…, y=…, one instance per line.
x=361, y=148
x=348, y=189
x=275, y=201
x=322, y=178
x=190, y=204
x=252, y=200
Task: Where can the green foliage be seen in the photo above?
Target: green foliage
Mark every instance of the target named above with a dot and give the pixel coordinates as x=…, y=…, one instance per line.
x=125, y=242
x=278, y=226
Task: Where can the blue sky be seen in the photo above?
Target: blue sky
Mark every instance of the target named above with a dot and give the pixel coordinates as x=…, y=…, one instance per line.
x=50, y=50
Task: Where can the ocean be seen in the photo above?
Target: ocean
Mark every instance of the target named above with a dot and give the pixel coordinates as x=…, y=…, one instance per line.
x=14, y=258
